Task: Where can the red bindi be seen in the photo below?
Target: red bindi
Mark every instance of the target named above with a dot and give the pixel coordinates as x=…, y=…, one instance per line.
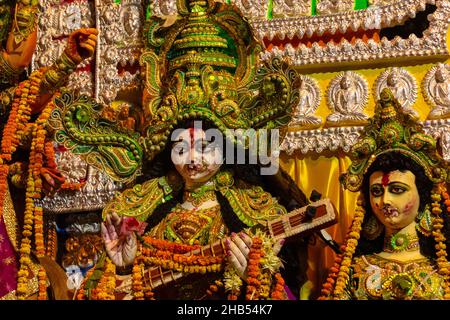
x=385, y=179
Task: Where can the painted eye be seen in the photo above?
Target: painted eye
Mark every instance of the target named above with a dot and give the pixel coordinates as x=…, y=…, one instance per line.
x=376, y=190
x=397, y=189
x=179, y=148
x=210, y=147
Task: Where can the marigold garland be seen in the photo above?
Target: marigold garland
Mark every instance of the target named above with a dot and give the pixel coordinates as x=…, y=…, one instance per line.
x=173, y=256
x=42, y=284
x=39, y=231
x=439, y=237
x=137, y=283
x=168, y=245
x=253, y=270
x=338, y=276
x=33, y=192
x=50, y=161
x=24, y=96
x=107, y=284
x=278, y=292
x=18, y=122
x=52, y=243
x=446, y=200
x=262, y=265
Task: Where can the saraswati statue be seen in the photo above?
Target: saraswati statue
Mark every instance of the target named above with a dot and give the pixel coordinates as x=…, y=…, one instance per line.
x=397, y=246
x=192, y=227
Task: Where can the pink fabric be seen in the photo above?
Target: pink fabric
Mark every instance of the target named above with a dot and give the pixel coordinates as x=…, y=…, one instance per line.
x=289, y=293
x=8, y=262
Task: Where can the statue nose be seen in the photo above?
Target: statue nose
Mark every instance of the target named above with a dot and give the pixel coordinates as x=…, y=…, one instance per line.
x=195, y=154
x=195, y=157
x=387, y=198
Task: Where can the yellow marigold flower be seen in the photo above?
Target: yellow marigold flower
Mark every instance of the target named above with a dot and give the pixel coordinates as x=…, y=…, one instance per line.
x=22, y=273
x=436, y=197
x=354, y=234
x=21, y=288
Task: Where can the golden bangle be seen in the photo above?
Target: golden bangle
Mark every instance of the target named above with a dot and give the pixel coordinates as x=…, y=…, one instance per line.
x=8, y=75
x=59, y=72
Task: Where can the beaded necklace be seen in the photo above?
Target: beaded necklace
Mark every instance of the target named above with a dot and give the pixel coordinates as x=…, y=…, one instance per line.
x=198, y=196
x=401, y=242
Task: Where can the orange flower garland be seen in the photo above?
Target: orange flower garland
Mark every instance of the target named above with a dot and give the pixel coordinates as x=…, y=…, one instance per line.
x=33, y=214
x=446, y=200
x=169, y=246
x=439, y=237
x=261, y=270
x=24, y=96
x=42, y=284
x=173, y=256
x=278, y=292
x=52, y=237
x=39, y=231
x=137, y=284
x=107, y=283
x=339, y=271
x=18, y=117
x=50, y=155
x=253, y=282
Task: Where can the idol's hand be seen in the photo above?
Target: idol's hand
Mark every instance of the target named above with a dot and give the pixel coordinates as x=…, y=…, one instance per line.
x=81, y=44
x=238, y=249
x=52, y=180
x=121, y=247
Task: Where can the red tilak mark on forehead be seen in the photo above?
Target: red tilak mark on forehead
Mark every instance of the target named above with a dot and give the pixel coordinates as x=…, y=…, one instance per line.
x=385, y=179
x=191, y=134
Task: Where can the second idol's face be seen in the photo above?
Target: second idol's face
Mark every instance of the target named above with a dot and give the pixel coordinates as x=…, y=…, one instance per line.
x=195, y=158
x=394, y=198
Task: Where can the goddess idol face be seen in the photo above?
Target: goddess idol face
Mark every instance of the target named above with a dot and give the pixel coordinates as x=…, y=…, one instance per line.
x=196, y=158
x=394, y=198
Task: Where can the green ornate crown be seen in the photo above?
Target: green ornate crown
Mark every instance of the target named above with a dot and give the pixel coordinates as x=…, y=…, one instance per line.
x=205, y=66
x=390, y=130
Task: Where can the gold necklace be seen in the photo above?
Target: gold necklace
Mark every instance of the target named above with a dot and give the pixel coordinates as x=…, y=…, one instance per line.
x=193, y=226
x=198, y=196
x=401, y=242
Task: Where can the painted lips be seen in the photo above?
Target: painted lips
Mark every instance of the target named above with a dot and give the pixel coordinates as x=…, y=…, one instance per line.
x=196, y=168
x=390, y=211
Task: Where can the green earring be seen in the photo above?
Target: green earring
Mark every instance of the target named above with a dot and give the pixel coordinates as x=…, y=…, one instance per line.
x=424, y=223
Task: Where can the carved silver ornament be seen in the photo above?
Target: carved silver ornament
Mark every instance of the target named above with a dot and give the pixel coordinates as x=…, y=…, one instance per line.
x=436, y=90
x=403, y=86
x=347, y=96
x=309, y=101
